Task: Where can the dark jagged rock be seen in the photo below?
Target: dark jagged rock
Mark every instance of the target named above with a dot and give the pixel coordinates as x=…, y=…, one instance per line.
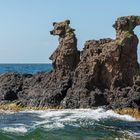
x=10, y=85
x=106, y=74
x=44, y=89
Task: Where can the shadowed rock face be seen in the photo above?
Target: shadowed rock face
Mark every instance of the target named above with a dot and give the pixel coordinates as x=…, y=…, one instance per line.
x=106, y=73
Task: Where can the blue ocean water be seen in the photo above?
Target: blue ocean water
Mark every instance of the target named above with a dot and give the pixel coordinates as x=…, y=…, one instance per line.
x=25, y=68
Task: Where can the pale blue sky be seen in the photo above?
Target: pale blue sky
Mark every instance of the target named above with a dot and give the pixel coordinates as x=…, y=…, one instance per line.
x=25, y=25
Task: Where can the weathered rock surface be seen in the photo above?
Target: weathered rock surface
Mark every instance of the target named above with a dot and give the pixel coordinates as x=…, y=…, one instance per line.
x=106, y=73
x=66, y=57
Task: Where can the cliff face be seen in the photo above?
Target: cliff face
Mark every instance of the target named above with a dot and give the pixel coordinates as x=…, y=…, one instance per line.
x=106, y=72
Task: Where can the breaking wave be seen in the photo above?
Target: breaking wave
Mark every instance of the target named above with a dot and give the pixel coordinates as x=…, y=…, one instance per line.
x=70, y=121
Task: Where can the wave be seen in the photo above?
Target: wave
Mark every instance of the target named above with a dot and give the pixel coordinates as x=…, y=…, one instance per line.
x=52, y=120
x=20, y=129
x=72, y=114
x=55, y=119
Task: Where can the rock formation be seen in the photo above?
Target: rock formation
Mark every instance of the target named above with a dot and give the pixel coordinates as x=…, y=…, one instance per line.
x=66, y=56
x=106, y=74
x=106, y=68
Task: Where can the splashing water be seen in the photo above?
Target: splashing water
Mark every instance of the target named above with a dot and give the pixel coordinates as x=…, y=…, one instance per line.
x=71, y=124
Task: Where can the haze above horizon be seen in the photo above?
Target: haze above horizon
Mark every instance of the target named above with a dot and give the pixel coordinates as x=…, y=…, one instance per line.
x=25, y=25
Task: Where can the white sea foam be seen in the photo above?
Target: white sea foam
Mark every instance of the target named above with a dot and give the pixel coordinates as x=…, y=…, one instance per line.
x=20, y=129
x=55, y=125
x=6, y=112
x=56, y=119
x=74, y=114
x=132, y=135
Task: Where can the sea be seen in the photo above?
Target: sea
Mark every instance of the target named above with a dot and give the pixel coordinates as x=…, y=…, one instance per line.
x=65, y=124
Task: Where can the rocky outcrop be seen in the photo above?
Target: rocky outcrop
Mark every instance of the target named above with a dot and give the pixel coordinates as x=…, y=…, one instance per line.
x=66, y=57
x=105, y=73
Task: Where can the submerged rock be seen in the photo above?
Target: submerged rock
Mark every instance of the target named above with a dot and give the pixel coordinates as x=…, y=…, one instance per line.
x=104, y=73
x=134, y=112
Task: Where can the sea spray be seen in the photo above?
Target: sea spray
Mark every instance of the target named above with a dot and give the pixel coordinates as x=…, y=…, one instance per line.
x=68, y=123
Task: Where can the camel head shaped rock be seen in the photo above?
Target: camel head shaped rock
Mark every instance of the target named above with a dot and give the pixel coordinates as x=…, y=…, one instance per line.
x=126, y=24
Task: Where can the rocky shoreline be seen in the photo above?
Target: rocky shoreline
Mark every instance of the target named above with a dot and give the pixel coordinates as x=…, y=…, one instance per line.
x=105, y=73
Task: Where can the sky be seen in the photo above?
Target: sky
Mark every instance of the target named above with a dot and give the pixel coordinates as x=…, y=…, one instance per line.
x=25, y=25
